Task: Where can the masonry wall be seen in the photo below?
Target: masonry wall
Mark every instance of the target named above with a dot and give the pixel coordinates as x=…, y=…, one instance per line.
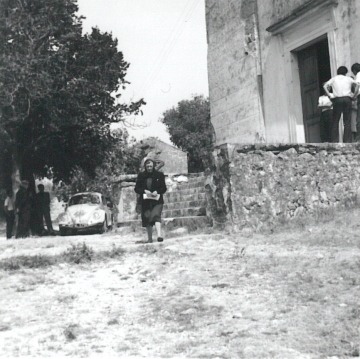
x=354, y=29
x=283, y=116
x=233, y=69
x=259, y=186
x=253, y=84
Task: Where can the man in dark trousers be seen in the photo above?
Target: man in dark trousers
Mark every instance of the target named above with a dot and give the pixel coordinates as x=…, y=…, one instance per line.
x=42, y=201
x=9, y=207
x=23, y=209
x=341, y=96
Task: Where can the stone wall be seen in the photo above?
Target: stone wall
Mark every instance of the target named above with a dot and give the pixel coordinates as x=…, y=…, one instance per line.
x=256, y=186
x=254, y=83
x=233, y=67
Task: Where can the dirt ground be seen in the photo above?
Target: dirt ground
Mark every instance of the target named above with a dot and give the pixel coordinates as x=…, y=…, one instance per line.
x=289, y=294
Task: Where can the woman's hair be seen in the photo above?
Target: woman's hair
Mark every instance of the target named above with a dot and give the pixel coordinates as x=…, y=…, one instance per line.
x=149, y=160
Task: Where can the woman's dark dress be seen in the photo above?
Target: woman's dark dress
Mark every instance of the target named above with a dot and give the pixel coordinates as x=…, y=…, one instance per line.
x=151, y=209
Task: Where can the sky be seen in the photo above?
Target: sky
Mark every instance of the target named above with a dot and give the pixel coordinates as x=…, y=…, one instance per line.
x=165, y=43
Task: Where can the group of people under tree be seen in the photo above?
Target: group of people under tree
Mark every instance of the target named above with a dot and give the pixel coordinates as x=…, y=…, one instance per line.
x=28, y=212
x=341, y=96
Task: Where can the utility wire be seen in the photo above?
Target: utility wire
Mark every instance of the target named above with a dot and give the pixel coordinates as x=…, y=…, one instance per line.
x=161, y=53
x=164, y=53
x=168, y=46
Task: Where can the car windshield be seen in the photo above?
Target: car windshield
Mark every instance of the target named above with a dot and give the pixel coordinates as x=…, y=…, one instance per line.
x=84, y=198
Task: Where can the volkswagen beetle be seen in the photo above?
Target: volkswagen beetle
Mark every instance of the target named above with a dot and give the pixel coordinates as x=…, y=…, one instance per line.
x=87, y=211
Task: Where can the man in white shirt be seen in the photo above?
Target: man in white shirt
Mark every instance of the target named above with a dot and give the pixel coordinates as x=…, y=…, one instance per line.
x=355, y=68
x=9, y=208
x=341, y=98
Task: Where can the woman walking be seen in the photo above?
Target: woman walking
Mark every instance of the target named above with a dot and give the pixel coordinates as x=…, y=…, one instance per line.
x=151, y=186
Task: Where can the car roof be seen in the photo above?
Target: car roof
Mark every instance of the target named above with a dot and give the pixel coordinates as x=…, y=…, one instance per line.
x=82, y=193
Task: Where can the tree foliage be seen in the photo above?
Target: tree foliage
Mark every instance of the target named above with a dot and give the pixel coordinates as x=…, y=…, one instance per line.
x=191, y=130
x=122, y=157
x=59, y=89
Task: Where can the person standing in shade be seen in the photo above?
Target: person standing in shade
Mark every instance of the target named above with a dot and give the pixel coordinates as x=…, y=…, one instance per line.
x=355, y=69
x=9, y=208
x=42, y=206
x=151, y=186
x=23, y=210
x=326, y=117
x=341, y=97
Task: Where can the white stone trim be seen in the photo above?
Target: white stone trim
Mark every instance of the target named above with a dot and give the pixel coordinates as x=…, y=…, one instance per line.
x=300, y=32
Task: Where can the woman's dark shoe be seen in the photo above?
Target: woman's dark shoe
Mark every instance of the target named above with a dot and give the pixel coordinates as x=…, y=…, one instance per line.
x=160, y=239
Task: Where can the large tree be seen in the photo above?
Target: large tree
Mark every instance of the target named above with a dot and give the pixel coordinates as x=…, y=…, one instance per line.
x=123, y=157
x=191, y=130
x=59, y=89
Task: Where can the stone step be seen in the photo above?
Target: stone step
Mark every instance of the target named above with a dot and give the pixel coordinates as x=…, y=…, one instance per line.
x=184, y=204
x=190, y=176
x=187, y=190
x=191, y=222
x=184, y=196
x=184, y=212
x=191, y=185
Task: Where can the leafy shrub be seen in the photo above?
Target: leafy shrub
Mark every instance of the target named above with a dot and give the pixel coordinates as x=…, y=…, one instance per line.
x=78, y=253
x=19, y=262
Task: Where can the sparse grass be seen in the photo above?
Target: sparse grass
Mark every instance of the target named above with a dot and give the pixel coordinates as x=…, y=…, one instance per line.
x=76, y=254
x=302, y=222
x=291, y=294
x=70, y=332
x=37, y=261
x=114, y=252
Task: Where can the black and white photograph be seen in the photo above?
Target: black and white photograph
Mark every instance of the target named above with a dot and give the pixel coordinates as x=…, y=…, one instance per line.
x=180, y=179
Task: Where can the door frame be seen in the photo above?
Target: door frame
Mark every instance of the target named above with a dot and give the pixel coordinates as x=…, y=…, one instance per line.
x=298, y=33
x=308, y=127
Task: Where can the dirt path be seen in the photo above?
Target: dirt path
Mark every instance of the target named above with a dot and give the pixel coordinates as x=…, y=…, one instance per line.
x=288, y=295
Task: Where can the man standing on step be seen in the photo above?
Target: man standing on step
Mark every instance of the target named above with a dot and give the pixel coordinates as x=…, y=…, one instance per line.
x=341, y=97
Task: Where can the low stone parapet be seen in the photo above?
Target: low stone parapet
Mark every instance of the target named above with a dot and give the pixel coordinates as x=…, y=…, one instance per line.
x=258, y=186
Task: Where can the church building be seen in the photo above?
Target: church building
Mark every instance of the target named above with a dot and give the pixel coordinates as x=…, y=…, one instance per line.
x=267, y=61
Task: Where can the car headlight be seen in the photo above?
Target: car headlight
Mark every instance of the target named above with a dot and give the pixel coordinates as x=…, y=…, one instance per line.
x=65, y=219
x=96, y=218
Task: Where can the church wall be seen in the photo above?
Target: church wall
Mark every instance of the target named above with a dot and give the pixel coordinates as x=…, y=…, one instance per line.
x=353, y=14
x=254, y=96
x=233, y=68
x=283, y=109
